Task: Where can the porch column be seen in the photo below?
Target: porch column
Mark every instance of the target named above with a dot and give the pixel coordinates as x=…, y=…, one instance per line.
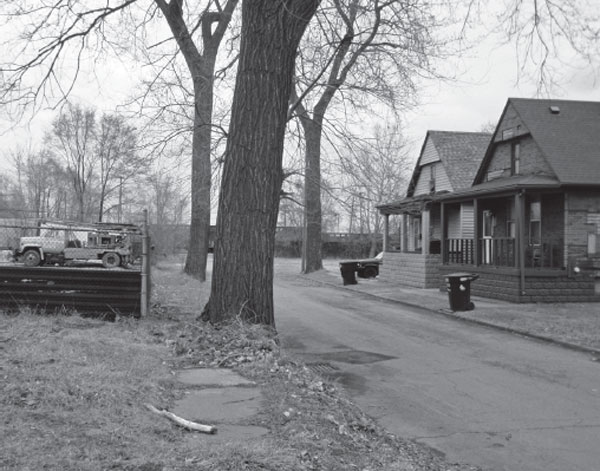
x=425, y=230
x=386, y=231
x=403, y=240
x=444, y=235
x=520, y=233
x=476, y=231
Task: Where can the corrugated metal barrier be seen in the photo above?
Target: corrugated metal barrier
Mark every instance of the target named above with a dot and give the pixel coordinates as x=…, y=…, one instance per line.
x=87, y=290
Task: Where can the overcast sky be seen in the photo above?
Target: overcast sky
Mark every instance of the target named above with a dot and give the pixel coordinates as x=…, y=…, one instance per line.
x=489, y=76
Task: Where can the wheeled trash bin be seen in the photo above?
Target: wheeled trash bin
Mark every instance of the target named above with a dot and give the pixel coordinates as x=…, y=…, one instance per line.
x=348, y=270
x=459, y=291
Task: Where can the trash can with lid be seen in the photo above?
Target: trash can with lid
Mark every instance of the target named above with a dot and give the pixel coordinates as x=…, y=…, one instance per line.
x=348, y=270
x=459, y=291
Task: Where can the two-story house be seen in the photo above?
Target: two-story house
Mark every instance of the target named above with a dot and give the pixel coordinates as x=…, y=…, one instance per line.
x=536, y=206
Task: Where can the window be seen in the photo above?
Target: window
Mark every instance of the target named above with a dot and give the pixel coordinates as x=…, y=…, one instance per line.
x=535, y=221
x=432, y=178
x=488, y=224
x=515, y=158
x=508, y=133
x=511, y=227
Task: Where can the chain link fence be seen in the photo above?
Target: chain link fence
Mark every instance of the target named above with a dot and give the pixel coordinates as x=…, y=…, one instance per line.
x=36, y=242
x=108, y=266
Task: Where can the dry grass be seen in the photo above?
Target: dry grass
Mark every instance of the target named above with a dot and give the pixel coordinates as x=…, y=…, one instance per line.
x=73, y=390
x=573, y=323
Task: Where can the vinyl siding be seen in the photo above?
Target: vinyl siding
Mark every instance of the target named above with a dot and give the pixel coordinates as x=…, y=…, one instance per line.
x=442, y=182
x=453, y=223
x=467, y=221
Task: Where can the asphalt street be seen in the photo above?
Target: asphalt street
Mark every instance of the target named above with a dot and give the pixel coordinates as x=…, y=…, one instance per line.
x=475, y=394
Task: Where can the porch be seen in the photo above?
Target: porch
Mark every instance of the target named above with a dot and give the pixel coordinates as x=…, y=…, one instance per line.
x=502, y=252
x=521, y=248
x=519, y=230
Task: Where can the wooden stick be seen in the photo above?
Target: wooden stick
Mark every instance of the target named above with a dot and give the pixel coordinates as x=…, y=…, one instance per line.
x=183, y=422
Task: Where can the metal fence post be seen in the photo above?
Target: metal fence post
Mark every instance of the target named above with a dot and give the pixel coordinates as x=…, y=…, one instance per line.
x=145, y=292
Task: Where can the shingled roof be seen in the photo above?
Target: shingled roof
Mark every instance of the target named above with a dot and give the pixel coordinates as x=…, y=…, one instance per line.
x=460, y=153
x=568, y=136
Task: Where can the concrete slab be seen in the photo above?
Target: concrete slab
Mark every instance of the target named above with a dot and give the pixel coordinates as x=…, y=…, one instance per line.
x=217, y=405
x=212, y=377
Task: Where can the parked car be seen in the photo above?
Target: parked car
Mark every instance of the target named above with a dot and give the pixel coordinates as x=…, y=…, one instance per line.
x=367, y=267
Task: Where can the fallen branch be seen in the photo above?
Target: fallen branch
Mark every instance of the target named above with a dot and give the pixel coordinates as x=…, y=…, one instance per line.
x=183, y=422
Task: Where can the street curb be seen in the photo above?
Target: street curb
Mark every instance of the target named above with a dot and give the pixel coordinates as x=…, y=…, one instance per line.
x=449, y=315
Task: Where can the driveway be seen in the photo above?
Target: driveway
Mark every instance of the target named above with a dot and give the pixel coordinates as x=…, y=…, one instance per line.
x=475, y=394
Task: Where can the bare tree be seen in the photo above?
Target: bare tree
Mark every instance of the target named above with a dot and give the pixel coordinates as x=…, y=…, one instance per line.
x=48, y=32
x=369, y=48
x=118, y=160
x=72, y=139
x=548, y=35
x=41, y=186
x=201, y=65
x=374, y=170
x=252, y=172
x=168, y=202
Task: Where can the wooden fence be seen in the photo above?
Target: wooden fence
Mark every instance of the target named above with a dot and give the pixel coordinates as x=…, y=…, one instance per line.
x=87, y=290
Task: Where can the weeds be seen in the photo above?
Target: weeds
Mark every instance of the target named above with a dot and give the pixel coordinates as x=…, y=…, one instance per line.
x=72, y=393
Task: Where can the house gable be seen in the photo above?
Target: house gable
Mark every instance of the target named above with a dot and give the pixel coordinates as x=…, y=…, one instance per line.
x=558, y=139
x=432, y=176
x=447, y=162
x=513, y=150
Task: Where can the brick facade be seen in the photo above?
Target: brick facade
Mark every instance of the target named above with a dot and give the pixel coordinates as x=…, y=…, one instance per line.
x=582, y=208
x=543, y=287
x=411, y=269
x=532, y=161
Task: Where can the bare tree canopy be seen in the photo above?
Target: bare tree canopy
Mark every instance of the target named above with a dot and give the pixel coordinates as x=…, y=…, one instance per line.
x=548, y=35
x=363, y=51
x=73, y=136
x=51, y=40
x=47, y=42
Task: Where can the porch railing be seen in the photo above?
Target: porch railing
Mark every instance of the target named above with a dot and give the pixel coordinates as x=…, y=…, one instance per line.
x=498, y=252
x=548, y=254
x=502, y=252
x=459, y=251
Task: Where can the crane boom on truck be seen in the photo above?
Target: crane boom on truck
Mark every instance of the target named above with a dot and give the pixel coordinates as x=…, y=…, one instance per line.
x=66, y=243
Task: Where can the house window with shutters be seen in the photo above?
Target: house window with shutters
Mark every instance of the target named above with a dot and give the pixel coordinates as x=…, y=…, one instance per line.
x=432, y=178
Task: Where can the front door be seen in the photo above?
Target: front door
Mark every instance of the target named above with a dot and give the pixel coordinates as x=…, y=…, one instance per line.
x=487, y=235
x=414, y=244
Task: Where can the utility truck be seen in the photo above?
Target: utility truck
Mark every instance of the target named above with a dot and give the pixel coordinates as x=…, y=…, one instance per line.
x=61, y=244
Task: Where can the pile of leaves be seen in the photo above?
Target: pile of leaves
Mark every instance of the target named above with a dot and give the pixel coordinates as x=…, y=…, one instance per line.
x=201, y=344
x=313, y=423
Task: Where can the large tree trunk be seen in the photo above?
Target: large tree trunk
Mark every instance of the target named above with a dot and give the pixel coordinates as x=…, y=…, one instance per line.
x=202, y=68
x=252, y=174
x=312, y=259
x=195, y=263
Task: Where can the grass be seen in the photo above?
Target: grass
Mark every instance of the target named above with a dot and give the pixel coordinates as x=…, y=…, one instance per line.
x=72, y=393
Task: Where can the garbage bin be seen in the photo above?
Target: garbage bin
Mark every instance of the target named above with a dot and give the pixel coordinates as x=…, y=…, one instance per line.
x=459, y=291
x=348, y=270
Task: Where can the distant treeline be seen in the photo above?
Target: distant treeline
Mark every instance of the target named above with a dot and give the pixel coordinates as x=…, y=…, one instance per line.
x=168, y=239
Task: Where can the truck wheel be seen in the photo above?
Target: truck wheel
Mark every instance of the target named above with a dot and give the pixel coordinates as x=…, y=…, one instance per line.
x=31, y=258
x=370, y=272
x=111, y=260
